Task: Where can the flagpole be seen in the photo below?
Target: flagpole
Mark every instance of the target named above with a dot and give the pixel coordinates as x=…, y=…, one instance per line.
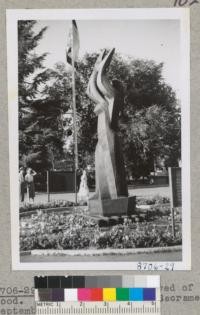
x=74, y=119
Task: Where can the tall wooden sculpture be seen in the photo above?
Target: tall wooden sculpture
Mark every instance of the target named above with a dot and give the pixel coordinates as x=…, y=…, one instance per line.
x=111, y=195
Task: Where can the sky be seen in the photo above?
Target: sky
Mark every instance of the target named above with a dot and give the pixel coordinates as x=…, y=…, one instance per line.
x=158, y=40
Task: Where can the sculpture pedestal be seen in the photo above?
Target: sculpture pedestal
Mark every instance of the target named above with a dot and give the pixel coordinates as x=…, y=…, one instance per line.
x=109, y=207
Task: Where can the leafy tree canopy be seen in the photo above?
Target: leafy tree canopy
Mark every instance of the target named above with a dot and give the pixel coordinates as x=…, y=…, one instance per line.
x=150, y=121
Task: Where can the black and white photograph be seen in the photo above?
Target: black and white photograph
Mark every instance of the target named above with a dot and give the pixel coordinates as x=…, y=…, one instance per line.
x=99, y=138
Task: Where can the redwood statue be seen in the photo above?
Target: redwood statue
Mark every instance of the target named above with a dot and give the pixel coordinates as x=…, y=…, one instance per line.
x=111, y=195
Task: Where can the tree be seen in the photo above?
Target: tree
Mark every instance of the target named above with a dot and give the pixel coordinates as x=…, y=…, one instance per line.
x=44, y=136
x=28, y=63
x=150, y=121
x=40, y=132
x=152, y=116
x=60, y=87
x=151, y=134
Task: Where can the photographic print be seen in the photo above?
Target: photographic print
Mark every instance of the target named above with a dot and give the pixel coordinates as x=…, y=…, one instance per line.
x=99, y=138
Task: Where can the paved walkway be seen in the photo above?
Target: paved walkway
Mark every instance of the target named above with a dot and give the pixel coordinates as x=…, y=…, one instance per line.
x=172, y=256
x=141, y=191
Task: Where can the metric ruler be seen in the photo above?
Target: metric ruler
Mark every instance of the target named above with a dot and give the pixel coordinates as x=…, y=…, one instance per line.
x=95, y=308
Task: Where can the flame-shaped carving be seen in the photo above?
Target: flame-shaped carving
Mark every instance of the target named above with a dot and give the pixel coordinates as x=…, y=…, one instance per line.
x=92, y=89
x=109, y=165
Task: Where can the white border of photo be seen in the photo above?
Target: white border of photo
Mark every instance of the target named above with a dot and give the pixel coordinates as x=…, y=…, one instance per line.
x=12, y=67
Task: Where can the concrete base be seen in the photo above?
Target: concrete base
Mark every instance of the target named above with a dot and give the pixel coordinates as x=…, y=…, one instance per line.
x=110, y=207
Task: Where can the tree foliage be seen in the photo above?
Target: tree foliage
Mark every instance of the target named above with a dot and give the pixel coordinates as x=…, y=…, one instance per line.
x=29, y=62
x=40, y=132
x=150, y=121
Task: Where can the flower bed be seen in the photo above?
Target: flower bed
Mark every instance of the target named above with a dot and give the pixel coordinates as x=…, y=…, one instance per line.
x=47, y=205
x=154, y=200
x=79, y=231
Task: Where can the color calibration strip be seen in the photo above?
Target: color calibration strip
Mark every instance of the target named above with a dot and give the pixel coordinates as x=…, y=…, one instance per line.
x=97, y=289
x=95, y=294
x=87, y=295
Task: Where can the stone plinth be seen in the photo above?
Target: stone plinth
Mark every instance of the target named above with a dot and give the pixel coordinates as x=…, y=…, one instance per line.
x=109, y=207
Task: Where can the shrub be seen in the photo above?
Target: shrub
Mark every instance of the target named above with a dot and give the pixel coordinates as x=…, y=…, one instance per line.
x=155, y=200
x=78, y=231
x=46, y=205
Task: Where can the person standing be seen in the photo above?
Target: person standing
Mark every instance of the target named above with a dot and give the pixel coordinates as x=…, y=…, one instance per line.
x=21, y=184
x=29, y=178
x=83, y=194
